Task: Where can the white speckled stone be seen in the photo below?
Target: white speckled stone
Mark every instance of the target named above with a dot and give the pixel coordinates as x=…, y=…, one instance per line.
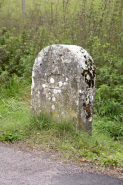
x=63, y=81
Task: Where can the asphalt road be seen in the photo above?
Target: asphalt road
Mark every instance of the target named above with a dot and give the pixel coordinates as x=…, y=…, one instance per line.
x=22, y=168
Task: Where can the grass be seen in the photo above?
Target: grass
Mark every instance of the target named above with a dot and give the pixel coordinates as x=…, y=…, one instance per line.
x=14, y=110
x=77, y=145
x=97, y=28
x=14, y=115
x=16, y=124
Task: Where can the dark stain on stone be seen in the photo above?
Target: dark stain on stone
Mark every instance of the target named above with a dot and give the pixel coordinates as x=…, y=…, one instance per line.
x=87, y=109
x=91, y=75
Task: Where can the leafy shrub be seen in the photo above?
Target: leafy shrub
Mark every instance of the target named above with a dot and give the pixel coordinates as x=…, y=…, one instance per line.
x=9, y=136
x=17, y=54
x=108, y=102
x=114, y=129
x=10, y=86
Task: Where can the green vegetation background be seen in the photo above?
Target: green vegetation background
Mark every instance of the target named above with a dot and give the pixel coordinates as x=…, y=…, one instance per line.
x=97, y=26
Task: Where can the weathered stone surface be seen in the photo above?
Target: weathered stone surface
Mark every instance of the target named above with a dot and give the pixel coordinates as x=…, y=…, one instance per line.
x=63, y=84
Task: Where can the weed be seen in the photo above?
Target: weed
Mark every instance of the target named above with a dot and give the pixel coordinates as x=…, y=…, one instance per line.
x=9, y=136
x=115, y=130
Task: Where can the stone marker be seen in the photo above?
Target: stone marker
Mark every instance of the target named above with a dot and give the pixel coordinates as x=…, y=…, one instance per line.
x=63, y=84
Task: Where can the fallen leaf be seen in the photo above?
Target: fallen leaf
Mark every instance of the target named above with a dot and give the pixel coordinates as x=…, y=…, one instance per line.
x=119, y=170
x=85, y=160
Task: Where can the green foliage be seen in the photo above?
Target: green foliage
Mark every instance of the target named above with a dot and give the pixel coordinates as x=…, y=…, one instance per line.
x=41, y=121
x=97, y=26
x=77, y=144
x=44, y=121
x=112, y=128
x=14, y=118
x=17, y=54
x=65, y=127
x=10, y=86
x=108, y=102
x=49, y=134
x=9, y=136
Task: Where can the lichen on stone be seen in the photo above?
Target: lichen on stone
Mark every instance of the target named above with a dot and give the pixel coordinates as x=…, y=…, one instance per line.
x=63, y=84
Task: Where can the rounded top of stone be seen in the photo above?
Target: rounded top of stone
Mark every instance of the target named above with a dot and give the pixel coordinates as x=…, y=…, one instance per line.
x=80, y=54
